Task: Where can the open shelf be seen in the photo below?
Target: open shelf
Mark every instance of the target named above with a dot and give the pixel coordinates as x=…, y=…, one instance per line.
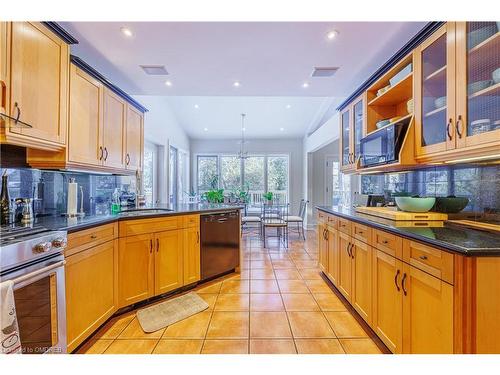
x=435, y=111
x=391, y=123
x=436, y=74
x=491, y=90
x=400, y=92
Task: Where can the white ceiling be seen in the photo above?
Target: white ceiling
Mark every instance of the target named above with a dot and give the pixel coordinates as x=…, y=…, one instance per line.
x=271, y=60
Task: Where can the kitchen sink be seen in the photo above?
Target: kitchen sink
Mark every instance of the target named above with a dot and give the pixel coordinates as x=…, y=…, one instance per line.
x=145, y=211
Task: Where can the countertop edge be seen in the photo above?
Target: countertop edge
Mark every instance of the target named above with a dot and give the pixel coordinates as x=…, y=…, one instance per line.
x=441, y=244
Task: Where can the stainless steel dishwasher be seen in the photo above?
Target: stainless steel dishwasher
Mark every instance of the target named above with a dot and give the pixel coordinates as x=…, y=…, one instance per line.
x=220, y=243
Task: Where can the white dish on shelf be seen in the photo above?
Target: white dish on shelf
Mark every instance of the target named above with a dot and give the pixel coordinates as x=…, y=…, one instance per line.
x=440, y=102
x=496, y=75
x=401, y=74
x=474, y=87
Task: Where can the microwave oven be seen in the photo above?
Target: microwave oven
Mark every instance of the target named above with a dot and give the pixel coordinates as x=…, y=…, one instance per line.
x=383, y=145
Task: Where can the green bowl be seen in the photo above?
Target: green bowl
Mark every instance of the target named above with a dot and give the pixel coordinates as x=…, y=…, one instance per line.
x=450, y=205
x=411, y=204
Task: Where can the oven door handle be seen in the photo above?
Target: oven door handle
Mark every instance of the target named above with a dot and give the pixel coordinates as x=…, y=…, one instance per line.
x=33, y=274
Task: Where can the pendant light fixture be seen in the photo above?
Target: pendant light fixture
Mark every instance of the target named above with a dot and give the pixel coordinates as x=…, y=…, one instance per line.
x=242, y=154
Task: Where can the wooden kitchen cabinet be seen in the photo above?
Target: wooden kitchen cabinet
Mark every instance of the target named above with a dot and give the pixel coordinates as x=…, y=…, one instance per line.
x=323, y=247
x=113, y=138
x=427, y=313
x=388, y=300
x=191, y=256
x=345, y=269
x=3, y=70
x=333, y=256
x=168, y=261
x=135, y=269
x=34, y=85
x=361, y=268
x=91, y=293
x=134, y=139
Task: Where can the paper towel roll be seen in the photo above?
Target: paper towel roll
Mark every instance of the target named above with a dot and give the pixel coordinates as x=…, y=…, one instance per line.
x=72, y=196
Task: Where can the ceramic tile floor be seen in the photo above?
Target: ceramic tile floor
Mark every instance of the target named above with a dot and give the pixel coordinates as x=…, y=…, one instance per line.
x=278, y=304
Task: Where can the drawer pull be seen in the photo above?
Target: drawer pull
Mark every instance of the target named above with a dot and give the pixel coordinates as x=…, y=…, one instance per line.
x=423, y=257
x=385, y=242
x=93, y=236
x=360, y=232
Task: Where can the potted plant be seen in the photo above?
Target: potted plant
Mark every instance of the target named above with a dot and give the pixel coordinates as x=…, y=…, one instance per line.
x=214, y=196
x=268, y=197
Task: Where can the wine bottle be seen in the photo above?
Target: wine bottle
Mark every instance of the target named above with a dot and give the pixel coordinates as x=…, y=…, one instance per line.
x=4, y=201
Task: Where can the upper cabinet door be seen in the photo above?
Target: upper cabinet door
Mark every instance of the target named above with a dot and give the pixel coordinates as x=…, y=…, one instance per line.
x=435, y=92
x=357, y=127
x=113, y=130
x=85, y=119
x=3, y=68
x=134, y=139
x=478, y=83
x=39, y=82
x=345, y=138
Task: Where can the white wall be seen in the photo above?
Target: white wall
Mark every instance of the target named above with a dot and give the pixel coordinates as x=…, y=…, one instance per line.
x=162, y=128
x=292, y=147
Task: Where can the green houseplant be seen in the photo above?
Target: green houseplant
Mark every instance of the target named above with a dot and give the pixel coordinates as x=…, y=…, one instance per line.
x=214, y=196
x=268, y=197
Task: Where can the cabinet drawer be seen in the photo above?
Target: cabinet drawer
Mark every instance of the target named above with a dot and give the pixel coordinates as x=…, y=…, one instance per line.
x=436, y=262
x=388, y=243
x=322, y=217
x=361, y=232
x=191, y=221
x=144, y=226
x=344, y=225
x=332, y=221
x=87, y=238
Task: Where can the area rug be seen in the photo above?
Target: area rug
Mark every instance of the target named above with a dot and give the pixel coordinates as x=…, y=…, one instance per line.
x=169, y=312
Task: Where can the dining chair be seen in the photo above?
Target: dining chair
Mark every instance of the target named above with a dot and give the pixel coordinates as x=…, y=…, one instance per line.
x=299, y=219
x=273, y=216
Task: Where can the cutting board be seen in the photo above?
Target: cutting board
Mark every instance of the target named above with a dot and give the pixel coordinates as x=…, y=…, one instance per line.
x=477, y=225
x=389, y=213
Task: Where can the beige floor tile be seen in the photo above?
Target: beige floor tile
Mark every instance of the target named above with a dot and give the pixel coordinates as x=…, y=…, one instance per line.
x=193, y=327
x=319, y=346
x=266, y=302
x=225, y=324
x=264, y=286
x=233, y=302
x=279, y=256
x=309, y=325
x=329, y=302
x=344, y=324
x=262, y=274
x=244, y=274
x=178, y=347
x=210, y=299
x=131, y=347
x=299, y=302
x=318, y=286
x=212, y=287
x=269, y=325
x=257, y=264
x=272, y=347
x=134, y=331
x=260, y=256
x=283, y=264
x=301, y=256
x=95, y=346
x=235, y=286
x=293, y=286
x=245, y=265
x=225, y=347
x=360, y=346
x=115, y=326
x=287, y=274
x=311, y=274
x=301, y=264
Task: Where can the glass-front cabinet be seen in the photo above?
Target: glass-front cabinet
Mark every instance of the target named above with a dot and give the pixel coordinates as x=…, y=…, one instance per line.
x=357, y=127
x=345, y=139
x=352, y=127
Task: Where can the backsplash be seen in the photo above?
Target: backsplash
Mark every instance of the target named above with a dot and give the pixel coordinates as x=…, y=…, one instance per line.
x=481, y=184
x=49, y=188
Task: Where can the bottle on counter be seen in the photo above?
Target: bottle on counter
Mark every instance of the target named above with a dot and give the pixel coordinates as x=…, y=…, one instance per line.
x=4, y=201
x=115, y=203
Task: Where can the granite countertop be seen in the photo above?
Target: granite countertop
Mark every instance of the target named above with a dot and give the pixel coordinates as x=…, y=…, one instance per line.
x=452, y=237
x=76, y=224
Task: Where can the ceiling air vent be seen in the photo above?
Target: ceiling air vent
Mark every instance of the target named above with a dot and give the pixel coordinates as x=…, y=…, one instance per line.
x=324, y=72
x=154, y=70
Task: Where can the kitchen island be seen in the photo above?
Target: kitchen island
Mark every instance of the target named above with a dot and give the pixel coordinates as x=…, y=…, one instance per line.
x=422, y=288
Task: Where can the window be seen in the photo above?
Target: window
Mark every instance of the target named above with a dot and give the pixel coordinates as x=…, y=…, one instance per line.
x=230, y=170
x=254, y=174
x=207, y=173
x=150, y=183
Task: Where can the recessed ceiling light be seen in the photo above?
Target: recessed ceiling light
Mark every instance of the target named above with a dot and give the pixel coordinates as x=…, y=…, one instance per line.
x=305, y=85
x=168, y=83
x=244, y=129
x=236, y=84
x=332, y=34
x=288, y=106
x=196, y=106
x=281, y=129
x=126, y=31
x=205, y=129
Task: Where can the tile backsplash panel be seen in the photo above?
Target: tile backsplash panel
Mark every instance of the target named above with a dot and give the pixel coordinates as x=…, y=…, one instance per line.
x=51, y=188
x=481, y=184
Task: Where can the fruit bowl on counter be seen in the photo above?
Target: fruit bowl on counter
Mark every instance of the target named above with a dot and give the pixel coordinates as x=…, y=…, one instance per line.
x=415, y=204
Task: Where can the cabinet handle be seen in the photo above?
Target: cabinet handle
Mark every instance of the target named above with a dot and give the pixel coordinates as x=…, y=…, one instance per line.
x=327, y=235
x=352, y=252
x=396, y=280
x=458, y=126
x=450, y=122
x=4, y=94
x=127, y=159
x=16, y=106
x=423, y=257
x=93, y=236
x=157, y=245
x=150, y=246
x=360, y=232
x=197, y=237
x=385, y=242
x=102, y=152
x=347, y=249
x=106, y=151
x=403, y=284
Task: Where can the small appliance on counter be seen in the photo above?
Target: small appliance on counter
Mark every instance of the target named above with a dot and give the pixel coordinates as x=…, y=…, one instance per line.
x=368, y=200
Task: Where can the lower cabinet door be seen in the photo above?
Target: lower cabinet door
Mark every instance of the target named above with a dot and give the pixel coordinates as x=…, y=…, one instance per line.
x=191, y=255
x=362, y=279
x=333, y=256
x=323, y=248
x=168, y=261
x=388, y=300
x=90, y=278
x=427, y=313
x=345, y=269
x=135, y=269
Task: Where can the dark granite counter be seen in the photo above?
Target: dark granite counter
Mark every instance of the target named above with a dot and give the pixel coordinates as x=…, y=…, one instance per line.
x=76, y=224
x=452, y=237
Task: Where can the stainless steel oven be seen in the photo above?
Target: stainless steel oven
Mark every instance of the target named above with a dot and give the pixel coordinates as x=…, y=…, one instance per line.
x=35, y=264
